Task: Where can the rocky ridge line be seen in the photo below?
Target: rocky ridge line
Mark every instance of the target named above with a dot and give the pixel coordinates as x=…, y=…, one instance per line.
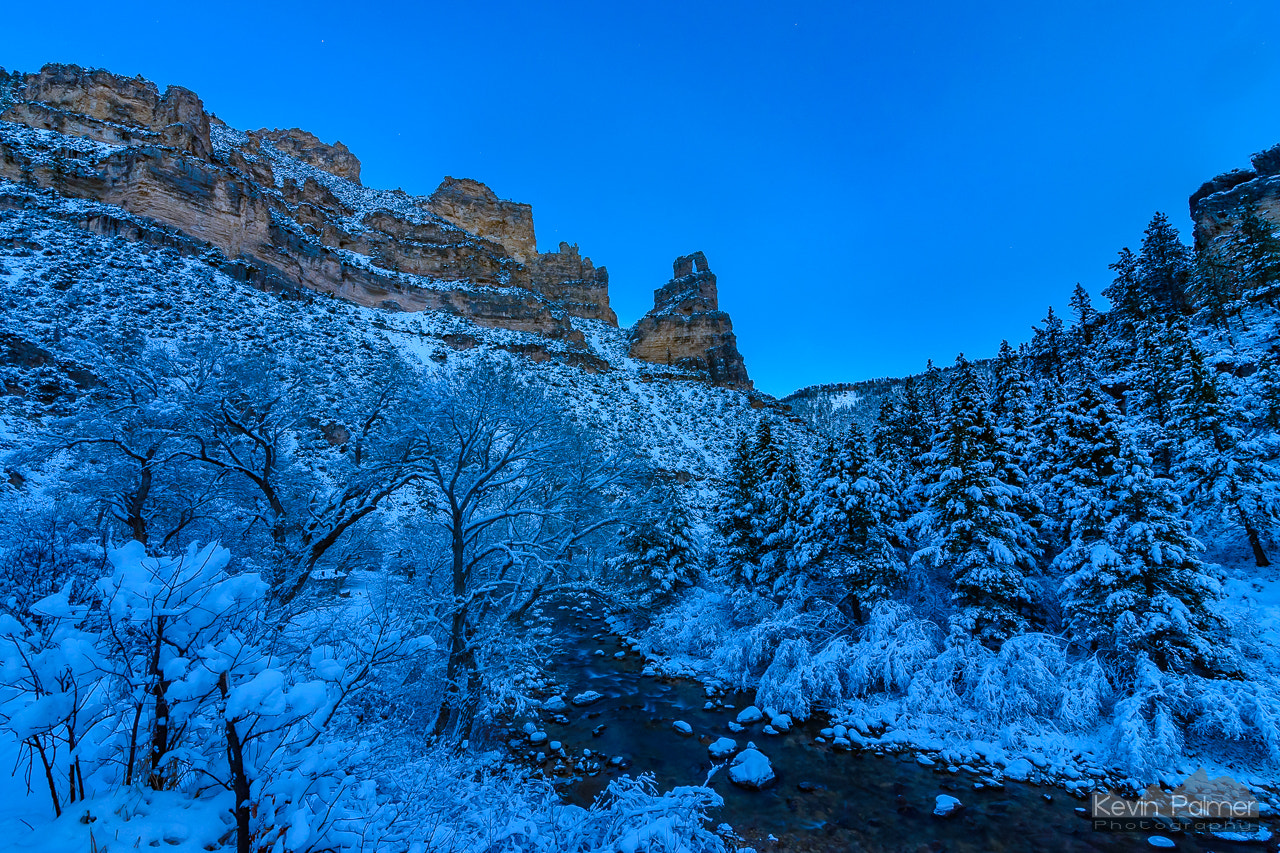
x=292, y=210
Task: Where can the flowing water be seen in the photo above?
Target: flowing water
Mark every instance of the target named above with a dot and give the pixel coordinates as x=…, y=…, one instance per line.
x=822, y=800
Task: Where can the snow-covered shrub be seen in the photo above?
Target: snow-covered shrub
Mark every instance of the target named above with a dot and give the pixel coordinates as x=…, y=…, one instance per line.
x=1144, y=736
x=450, y=806
x=54, y=696
x=1241, y=711
x=181, y=678
x=894, y=646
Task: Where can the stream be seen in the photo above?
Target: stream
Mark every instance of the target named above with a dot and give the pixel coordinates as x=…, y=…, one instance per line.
x=821, y=800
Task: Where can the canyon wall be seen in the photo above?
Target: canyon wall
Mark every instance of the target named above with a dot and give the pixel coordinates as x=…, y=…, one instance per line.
x=292, y=211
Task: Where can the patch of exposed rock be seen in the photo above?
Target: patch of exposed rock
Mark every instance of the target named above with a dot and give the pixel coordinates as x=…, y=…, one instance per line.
x=687, y=329
x=336, y=159
x=1217, y=205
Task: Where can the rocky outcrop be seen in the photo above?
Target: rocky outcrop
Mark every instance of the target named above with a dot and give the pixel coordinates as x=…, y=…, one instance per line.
x=473, y=207
x=687, y=329
x=1218, y=204
x=283, y=210
x=336, y=159
x=463, y=250
x=568, y=278
x=102, y=106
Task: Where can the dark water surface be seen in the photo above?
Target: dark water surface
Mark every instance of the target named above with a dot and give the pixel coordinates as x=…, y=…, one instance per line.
x=821, y=800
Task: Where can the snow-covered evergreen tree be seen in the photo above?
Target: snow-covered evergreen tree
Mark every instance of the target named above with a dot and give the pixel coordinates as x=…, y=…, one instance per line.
x=1224, y=473
x=1133, y=582
x=659, y=552
x=735, y=511
x=778, y=521
x=975, y=527
x=848, y=535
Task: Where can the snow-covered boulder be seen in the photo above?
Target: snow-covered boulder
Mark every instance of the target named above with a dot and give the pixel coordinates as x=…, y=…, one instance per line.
x=751, y=769
x=588, y=697
x=537, y=737
x=722, y=748
x=1019, y=769
x=781, y=722
x=1161, y=841
x=945, y=805
x=750, y=714
x=682, y=727
x=555, y=704
x=735, y=727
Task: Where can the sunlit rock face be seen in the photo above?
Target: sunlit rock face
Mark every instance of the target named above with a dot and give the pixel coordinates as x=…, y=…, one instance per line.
x=687, y=329
x=291, y=212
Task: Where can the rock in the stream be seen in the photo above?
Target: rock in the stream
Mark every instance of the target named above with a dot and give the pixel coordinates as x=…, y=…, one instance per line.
x=781, y=722
x=722, y=747
x=945, y=805
x=587, y=698
x=537, y=737
x=1161, y=841
x=682, y=727
x=734, y=727
x=770, y=730
x=750, y=714
x=555, y=704
x=598, y=730
x=1019, y=769
x=751, y=769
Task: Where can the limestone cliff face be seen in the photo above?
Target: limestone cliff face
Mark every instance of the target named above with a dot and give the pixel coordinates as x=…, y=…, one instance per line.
x=336, y=159
x=687, y=329
x=1216, y=206
x=570, y=279
x=474, y=207
x=94, y=135
x=283, y=209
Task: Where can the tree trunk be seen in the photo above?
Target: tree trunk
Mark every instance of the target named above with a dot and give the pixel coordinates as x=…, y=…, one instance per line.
x=451, y=705
x=239, y=780
x=160, y=698
x=1255, y=541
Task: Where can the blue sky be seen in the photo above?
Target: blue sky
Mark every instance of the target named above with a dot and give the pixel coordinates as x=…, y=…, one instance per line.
x=875, y=184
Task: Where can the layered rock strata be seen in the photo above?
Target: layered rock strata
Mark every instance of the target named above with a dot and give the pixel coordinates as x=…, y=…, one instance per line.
x=1218, y=204
x=291, y=211
x=687, y=329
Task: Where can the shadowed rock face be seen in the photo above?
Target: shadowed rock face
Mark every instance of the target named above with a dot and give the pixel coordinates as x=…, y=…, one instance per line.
x=687, y=329
x=1217, y=205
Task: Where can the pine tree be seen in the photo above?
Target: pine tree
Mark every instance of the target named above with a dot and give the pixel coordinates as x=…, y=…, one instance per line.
x=1014, y=418
x=902, y=434
x=850, y=513
x=1213, y=287
x=1133, y=583
x=977, y=530
x=659, y=551
x=735, y=512
x=1224, y=473
x=1257, y=255
x=1049, y=349
x=1125, y=295
x=1163, y=268
x=778, y=498
x=1157, y=364
x=1086, y=317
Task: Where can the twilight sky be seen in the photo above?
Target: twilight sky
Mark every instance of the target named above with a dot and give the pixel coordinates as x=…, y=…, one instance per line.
x=875, y=184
